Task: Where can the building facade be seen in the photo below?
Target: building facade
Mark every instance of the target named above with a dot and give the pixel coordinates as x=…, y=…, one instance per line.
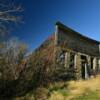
x=78, y=54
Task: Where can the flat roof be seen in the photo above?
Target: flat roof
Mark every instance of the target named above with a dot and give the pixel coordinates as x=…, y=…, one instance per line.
x=67, y=28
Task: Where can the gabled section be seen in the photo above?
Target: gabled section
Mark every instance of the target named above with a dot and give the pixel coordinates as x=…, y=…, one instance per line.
x=75, y=41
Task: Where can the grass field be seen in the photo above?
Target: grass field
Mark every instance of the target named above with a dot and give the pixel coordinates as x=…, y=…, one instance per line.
x=72, y=90
x=77, y=90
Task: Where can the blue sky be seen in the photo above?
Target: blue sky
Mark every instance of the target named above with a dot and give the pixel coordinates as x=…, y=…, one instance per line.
x=40, y=16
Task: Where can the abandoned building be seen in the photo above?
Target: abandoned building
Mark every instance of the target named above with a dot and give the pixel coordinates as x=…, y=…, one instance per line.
x=70, y=54
x=77, y=52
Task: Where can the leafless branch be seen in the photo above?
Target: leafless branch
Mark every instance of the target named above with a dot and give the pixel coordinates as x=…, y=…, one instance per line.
x=9, y=13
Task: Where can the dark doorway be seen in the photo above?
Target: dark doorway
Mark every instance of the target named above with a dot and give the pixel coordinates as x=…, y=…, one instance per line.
x=72, y=58
x=84, y=67
x=92, y=63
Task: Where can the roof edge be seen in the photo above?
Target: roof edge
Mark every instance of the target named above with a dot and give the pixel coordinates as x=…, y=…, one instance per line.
x=67, y=28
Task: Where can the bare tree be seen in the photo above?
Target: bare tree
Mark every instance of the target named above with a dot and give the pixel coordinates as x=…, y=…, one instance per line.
x=9, y=13
x=11, y=59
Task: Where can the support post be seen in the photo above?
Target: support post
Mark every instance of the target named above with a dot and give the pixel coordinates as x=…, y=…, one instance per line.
x=75, y=61
x=94, y=64
x=67, y=59
x=56, y=35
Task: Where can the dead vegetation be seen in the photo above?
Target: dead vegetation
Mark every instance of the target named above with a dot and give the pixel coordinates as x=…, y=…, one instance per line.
x=76, y=89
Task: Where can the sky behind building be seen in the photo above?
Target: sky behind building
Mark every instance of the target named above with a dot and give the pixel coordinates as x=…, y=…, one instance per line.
x=40, y=16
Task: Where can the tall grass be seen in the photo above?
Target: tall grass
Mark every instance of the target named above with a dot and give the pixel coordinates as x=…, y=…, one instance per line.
x=79, y=90
x=72, y=90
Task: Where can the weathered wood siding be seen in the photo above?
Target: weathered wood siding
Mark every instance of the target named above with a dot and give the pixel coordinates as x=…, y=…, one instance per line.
x=77, y=43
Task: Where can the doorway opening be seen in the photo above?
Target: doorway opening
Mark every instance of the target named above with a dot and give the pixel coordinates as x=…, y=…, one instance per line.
x=84, y=67
x=92, y=63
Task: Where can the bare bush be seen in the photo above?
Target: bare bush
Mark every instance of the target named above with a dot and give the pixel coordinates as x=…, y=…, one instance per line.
x=11, y=58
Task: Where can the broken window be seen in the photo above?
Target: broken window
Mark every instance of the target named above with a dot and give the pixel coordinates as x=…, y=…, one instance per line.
x=62, y=56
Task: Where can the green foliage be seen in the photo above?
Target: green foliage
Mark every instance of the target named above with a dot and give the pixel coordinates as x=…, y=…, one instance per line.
x=95, y=95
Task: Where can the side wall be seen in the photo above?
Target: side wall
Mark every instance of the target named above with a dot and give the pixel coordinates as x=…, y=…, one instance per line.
x=77, y=43
x=67, y=42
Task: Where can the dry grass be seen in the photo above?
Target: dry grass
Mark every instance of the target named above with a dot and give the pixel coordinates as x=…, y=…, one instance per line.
x=72, y=90
x=77, y=88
